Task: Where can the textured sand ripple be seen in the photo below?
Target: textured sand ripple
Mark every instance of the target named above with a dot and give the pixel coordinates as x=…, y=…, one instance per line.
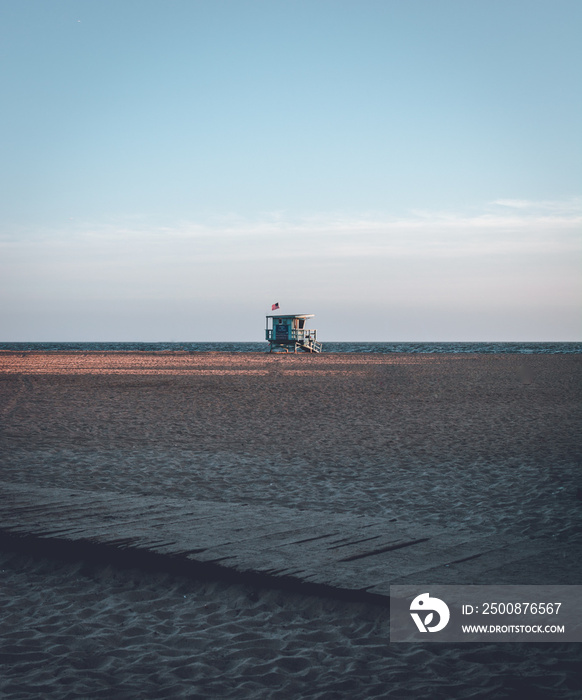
x=157, y=636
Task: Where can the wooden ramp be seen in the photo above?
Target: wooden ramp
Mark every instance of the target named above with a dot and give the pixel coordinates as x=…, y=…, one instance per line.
x=342, y=553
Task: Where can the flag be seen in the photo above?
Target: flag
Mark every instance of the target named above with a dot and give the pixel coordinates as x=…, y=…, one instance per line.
x=275, y=306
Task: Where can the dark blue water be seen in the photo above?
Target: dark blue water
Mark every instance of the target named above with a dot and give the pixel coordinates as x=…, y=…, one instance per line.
x=382, y=348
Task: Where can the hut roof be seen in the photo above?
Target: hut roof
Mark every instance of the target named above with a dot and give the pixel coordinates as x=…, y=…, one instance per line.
x=291, y=316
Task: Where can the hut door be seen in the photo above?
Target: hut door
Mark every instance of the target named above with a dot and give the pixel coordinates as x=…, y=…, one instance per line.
x=281, y=330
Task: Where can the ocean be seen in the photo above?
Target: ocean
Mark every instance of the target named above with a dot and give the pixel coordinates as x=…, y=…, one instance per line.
x=369, y=347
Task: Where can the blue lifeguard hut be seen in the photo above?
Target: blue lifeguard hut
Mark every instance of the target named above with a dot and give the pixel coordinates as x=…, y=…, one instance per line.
x=287, y=331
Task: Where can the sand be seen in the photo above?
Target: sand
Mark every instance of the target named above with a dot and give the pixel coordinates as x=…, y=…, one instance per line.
x=489, y=442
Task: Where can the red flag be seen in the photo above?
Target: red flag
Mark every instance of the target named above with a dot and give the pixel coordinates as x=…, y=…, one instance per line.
x=275, y=306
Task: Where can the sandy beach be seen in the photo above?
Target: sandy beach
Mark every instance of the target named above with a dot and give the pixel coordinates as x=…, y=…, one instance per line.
x=488, y=442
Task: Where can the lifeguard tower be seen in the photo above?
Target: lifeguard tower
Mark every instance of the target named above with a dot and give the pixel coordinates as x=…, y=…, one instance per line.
x=286, y=331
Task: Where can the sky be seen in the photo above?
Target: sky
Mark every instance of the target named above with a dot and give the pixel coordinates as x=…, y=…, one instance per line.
x=406, y=170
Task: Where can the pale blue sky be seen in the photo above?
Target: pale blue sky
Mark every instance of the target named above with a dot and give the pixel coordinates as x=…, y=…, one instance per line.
x=404, y=169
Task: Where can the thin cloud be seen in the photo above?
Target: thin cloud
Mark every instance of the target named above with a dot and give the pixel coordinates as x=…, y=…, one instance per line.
x=559, y=207
x=524, y=228
x=514, y=203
